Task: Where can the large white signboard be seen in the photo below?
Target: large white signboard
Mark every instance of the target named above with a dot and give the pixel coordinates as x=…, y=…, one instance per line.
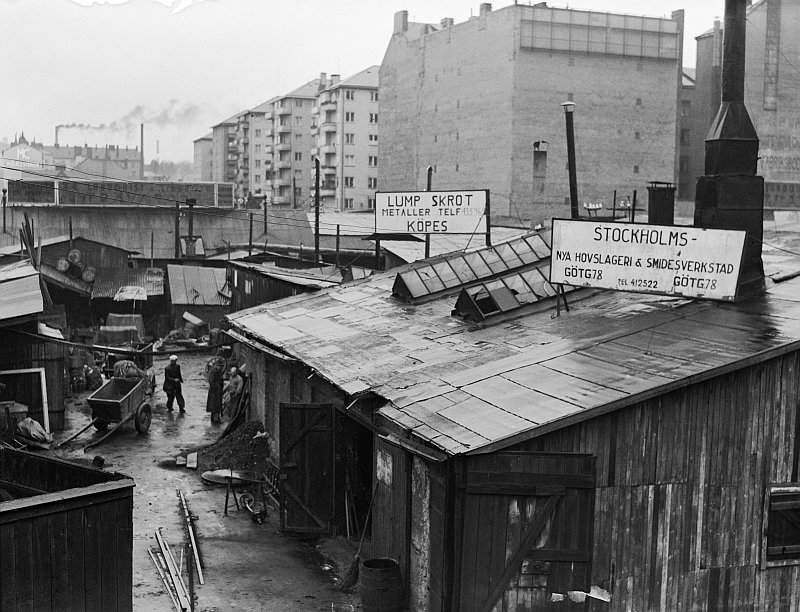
x=672, y=260
x=431, y=212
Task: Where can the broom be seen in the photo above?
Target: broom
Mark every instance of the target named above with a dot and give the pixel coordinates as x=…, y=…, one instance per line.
x=351, y=577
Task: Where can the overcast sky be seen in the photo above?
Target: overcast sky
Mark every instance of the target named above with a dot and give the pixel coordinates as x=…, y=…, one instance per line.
x=181, y=66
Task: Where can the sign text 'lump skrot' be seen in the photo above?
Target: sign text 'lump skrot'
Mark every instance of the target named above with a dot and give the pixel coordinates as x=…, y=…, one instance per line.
x=431, y=212
x=671, y=260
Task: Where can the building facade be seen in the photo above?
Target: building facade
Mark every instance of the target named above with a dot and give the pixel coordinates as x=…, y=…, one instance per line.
x=346, y=131
x=685, y=137
x=224, y=150
x=288, y=185
x=772, y=83
x=203, y=158
x=470, y=99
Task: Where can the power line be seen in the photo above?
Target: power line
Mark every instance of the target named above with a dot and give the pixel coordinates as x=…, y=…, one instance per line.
x=270, y=218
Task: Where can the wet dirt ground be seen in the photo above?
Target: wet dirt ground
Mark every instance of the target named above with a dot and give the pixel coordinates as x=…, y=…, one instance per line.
x=247, y=566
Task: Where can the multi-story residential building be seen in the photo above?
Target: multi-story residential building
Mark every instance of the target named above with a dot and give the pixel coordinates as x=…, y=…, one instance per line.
x=254, y=153
x=470, y=99
x=225, y=150
x=771, y=95
x=291, y=147
x=203, y=157
x=346, y=131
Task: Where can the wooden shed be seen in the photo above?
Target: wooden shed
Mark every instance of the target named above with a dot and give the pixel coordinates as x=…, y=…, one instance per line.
x=200, y=291
x=640, y=449
x=66, y=536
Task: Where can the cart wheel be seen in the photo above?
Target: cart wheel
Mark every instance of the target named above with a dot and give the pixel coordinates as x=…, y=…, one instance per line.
x=101, y=424
x=142, y=418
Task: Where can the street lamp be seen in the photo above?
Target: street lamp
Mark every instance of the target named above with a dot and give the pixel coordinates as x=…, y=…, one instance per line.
x=569, y=108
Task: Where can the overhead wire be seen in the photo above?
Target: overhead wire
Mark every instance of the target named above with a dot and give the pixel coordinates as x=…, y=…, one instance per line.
x=238, y=214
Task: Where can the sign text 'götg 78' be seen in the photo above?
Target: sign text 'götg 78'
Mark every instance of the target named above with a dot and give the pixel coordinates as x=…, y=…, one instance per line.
x=431, y=212
x=671, y=260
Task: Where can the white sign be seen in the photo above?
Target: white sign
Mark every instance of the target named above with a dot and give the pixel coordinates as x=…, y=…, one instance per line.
x=671, y=260
x=431, y=212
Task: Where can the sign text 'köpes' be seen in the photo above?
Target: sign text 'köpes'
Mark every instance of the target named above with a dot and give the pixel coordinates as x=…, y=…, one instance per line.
x=431, y=212
x=671, y=260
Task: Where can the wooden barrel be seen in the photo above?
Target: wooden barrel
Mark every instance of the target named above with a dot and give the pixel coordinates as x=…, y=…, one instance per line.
x=75, y=270
x=74, y=256
x=62, y=265
x=381, y=585
x=89, y=273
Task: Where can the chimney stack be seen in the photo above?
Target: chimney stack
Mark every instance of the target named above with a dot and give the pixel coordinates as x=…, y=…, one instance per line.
x=400, y=22
x=485, y=8
x=447, y=22
x=730, y=195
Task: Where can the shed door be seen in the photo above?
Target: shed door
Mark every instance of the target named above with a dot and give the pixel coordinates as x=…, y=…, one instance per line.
x=526, y=532
x=307, y=467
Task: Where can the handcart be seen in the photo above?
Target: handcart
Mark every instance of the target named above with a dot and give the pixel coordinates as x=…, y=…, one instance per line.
x=118, y=401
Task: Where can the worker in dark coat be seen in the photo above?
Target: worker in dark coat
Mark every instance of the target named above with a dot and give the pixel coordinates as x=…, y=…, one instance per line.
x=173, y=379
x=215, y=384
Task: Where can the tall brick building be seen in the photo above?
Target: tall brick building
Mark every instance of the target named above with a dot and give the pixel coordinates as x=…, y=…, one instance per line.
x=470, y=99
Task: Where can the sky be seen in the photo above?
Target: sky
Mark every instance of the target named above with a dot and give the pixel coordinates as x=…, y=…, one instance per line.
x=181, y=66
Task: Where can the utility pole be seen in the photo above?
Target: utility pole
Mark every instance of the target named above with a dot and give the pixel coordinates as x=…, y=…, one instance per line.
x=316, y=211
x=569, y=109
x=428, y=236
x=4, y=208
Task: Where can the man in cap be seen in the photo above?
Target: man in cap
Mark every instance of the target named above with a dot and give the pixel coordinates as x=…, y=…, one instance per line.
x=172, y=384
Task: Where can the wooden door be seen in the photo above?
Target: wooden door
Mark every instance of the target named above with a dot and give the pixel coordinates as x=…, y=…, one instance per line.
x=527, y=525
x=307, y=467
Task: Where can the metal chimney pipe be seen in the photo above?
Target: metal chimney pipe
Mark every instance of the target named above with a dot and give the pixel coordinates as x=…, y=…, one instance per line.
x=734, y=51
x=141, y=151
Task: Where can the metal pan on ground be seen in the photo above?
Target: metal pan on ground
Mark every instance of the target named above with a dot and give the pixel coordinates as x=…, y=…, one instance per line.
x=236, y=477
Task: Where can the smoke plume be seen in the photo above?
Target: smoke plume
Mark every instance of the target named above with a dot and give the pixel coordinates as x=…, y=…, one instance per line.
x=173, y=114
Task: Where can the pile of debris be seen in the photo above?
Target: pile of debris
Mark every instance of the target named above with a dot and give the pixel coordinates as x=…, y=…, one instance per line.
x=245, y=448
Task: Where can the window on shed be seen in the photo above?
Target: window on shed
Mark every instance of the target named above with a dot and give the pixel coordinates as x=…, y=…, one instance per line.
x=783, y=525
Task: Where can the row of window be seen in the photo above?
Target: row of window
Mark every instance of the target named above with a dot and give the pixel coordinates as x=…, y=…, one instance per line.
x=372, y=182
x=350, y=160
x=350, y=94
x=350, y=117
x=350, y=138
x=349, y=203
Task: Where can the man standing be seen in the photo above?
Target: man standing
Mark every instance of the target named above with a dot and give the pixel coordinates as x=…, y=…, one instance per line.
x=216, y=368
x=172, y=384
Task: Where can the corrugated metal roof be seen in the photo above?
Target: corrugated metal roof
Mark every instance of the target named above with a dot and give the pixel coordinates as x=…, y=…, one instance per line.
x=320, y=278
x=461, y=388
x=109, y=280
x=352, y=226
x=197, y=286
x=20, y=293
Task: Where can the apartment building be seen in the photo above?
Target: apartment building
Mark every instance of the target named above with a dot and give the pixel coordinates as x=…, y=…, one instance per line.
x=254, y=153
x=471, y=99
x=345, y=129
x=288, y=185
x=203, y=158
x=225, y=151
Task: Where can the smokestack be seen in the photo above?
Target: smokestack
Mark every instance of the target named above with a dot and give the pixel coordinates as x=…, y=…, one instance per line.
x=730, y=195
x=141, y=151
x=400, y=22
x=56, y=142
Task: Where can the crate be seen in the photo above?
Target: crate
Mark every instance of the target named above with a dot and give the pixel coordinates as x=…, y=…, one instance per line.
x=16, y=410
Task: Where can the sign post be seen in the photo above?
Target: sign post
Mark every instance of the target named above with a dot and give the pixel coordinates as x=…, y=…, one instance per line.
x=669, y=260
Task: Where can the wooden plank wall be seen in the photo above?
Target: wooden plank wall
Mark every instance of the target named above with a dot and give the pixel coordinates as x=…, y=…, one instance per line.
x=390, y=512
x=69, y=554
x=50, y=475
x=20, y=352
x=681, y=486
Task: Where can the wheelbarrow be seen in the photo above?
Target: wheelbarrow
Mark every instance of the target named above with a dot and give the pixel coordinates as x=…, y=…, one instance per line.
x=118, y=401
